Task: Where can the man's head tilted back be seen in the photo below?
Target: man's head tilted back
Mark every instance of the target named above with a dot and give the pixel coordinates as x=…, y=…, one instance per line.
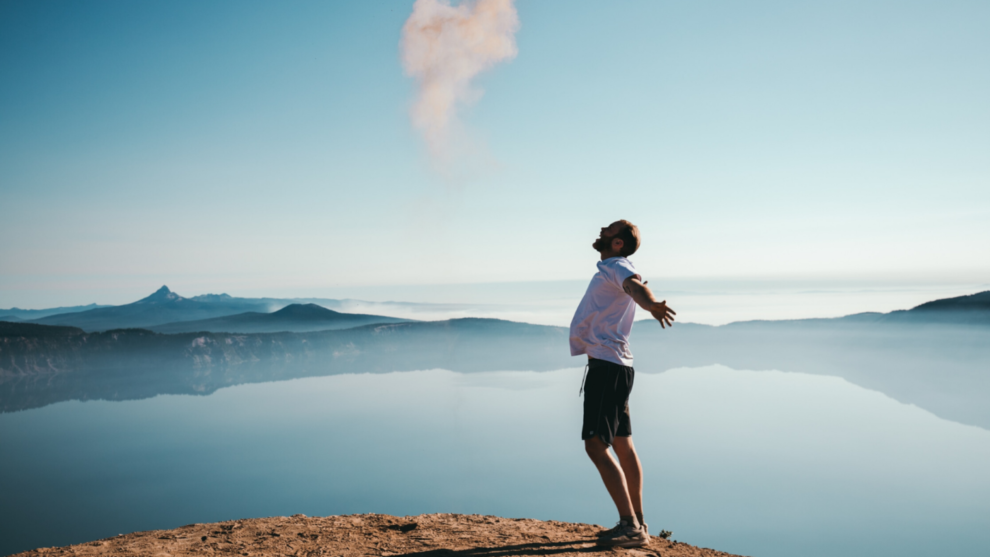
x=621, y=238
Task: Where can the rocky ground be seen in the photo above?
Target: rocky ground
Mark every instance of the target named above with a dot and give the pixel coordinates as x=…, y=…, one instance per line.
x=431, y=535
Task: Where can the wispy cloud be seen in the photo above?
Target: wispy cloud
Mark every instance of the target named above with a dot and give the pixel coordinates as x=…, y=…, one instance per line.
x=444, y=47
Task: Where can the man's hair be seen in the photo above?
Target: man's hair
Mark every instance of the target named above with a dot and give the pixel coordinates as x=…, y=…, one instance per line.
x=630, y=238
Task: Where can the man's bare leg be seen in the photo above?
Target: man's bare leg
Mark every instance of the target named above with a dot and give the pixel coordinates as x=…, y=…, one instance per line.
x=612, y=475
x=632, y=470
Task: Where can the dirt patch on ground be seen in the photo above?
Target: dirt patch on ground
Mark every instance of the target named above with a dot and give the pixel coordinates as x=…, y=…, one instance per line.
x=378, y=535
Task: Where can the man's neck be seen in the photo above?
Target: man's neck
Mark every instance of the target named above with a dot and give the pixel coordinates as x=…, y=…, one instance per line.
x=609, y=255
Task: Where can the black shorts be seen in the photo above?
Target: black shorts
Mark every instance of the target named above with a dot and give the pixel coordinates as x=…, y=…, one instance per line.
x=606, y=401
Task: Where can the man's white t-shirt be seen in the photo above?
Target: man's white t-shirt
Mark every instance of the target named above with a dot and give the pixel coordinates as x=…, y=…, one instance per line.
x=604, y=318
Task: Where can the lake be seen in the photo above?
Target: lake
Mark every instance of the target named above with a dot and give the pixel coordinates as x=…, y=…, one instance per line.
x=752, y=462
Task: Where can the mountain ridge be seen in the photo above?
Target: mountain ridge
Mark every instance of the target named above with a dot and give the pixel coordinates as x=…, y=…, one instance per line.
x=167, y=308
x=173, y=309
x=295, y=318
x=28, y=314
x=161, y=307
x=969, y=309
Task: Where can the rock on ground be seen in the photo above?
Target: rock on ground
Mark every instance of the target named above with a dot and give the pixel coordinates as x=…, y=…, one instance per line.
x=379, y=535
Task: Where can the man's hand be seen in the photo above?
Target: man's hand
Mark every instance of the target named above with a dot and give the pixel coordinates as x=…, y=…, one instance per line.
x=642, y=296
x=663, y=314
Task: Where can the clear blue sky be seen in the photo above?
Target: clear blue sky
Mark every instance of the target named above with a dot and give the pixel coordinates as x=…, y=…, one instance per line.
x=254, y=147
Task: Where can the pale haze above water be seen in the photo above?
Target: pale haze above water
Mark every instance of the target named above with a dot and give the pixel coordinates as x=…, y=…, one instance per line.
x=708, y=301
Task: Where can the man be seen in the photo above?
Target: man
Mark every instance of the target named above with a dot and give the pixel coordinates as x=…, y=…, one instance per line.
x=600, y=329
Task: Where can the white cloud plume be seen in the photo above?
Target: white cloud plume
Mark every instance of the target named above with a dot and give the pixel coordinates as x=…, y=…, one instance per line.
x=444, y=47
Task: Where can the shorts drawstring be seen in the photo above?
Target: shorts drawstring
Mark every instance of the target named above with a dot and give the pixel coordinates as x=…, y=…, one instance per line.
x=586, y=366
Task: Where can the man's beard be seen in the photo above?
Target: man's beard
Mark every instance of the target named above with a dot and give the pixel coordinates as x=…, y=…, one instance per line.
x=602, y=244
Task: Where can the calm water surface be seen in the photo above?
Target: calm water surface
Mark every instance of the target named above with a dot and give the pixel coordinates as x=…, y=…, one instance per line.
x=757, y=463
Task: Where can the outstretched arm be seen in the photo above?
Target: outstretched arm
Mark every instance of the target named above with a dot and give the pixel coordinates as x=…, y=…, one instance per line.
x=644, y=298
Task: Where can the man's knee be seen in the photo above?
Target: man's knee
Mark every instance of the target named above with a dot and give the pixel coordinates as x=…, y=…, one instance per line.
x=596, y=449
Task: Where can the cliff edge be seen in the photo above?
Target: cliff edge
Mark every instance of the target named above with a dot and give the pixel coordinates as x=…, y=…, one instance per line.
x=430, y=535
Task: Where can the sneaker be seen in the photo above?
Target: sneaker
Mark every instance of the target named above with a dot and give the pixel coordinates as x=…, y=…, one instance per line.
x=620, y=524
x=611, y=531
x=624, y=535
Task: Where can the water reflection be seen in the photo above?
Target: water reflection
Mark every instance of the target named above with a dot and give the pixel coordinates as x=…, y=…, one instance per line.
x=760, y=463
x=938, y=366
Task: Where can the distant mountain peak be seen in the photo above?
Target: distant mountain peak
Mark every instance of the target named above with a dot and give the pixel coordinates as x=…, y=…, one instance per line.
x=305, y=310
x=163, y=294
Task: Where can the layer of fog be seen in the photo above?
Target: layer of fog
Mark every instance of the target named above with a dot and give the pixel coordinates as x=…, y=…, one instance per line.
x=705, y=301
